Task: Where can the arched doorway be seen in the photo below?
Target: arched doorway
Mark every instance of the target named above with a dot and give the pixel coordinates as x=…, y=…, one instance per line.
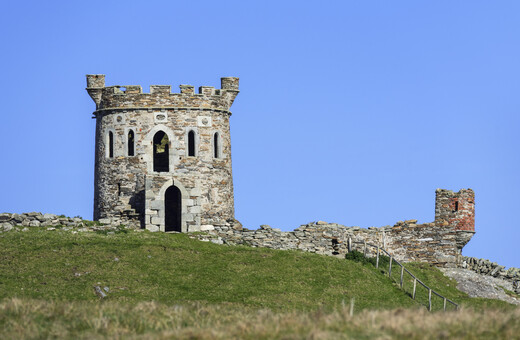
x=172, y=209
x=161, y=159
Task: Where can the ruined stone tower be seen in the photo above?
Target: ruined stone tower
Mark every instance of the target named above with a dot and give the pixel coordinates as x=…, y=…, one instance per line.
x=456, y=210
x=163, y=160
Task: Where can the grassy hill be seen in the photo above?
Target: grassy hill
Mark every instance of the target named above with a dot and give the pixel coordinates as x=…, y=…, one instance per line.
x=44, y=274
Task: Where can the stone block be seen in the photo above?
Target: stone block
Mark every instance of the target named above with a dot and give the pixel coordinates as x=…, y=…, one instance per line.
x=17, y=218
x=195, y=192
x=193, y=228
x=156, y=220
x=206, y=227
x=156, y=205
x=47, y=217
x=150, y=212
x=33, y=214
x=6, y=226
x=152, y=228
x=5, y=217
x=195, y=209
x=34, y=223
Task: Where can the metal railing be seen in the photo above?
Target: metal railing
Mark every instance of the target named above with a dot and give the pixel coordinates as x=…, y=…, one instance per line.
x=392, y=260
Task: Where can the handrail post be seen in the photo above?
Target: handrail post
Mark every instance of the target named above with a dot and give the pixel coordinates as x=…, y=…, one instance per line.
x=401, y=282
x=377, y=257
x=429, y=299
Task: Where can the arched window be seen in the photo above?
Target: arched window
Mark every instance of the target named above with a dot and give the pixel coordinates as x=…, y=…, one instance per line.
x=191, y=143
x=161, y=160
x=131, y=143
x=216, y=153
x=110, y=144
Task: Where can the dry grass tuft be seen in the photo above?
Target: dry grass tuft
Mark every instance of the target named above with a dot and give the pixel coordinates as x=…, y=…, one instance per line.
x=29, y=319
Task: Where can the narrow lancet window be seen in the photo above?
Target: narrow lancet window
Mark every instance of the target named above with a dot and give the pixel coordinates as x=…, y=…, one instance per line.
x=191, y=143
x=110, y=144
x=161, y=159
x=131, y=143
x=215, y=145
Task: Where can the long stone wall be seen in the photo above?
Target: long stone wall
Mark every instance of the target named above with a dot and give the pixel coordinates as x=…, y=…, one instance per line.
x=9, y=221
x=406, y=241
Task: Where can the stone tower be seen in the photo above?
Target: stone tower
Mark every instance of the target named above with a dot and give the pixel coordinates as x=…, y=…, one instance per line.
x=163, y=160
x=456, y=210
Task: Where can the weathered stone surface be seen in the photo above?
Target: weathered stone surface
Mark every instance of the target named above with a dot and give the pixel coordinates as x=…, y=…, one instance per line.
x=17, y=218
x=34, y=223
x=128, y=187
x=5, y=217
x=477, y=285
x=48, y=217
x=99, y=292
x=6, y=226
x=439, y=242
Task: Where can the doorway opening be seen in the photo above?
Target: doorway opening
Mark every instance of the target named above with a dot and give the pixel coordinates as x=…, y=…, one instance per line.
x=172, y=209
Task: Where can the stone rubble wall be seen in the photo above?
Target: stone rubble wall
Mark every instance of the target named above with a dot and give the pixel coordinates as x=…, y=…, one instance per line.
x=406, y=241
x=486, y=267
x=36, y=219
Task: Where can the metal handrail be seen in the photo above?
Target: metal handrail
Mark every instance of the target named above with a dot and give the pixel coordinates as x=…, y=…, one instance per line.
x=403, y=270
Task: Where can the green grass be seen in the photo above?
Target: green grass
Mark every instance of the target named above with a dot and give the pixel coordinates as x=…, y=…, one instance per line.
x=172, y=268
x=431, y=277
x=170, y=285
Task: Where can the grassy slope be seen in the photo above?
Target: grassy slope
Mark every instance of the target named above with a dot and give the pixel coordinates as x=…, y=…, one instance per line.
x=171, y=268
x=47, y=279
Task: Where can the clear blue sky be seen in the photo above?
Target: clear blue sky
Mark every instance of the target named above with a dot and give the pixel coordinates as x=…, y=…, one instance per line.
x=350, y=111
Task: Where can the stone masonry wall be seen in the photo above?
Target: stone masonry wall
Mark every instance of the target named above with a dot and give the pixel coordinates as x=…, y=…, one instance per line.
x=439, y=243
x=128, y=187
x=36, y=219
x=486, y=267
x=455, y=209
x=406, y=241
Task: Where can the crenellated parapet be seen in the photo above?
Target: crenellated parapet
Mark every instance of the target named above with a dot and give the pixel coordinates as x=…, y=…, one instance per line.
x=161, y=96
x=162, y=158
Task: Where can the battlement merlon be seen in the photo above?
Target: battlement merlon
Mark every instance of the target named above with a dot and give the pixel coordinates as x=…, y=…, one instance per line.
x=95, y=85
x=132, y=96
